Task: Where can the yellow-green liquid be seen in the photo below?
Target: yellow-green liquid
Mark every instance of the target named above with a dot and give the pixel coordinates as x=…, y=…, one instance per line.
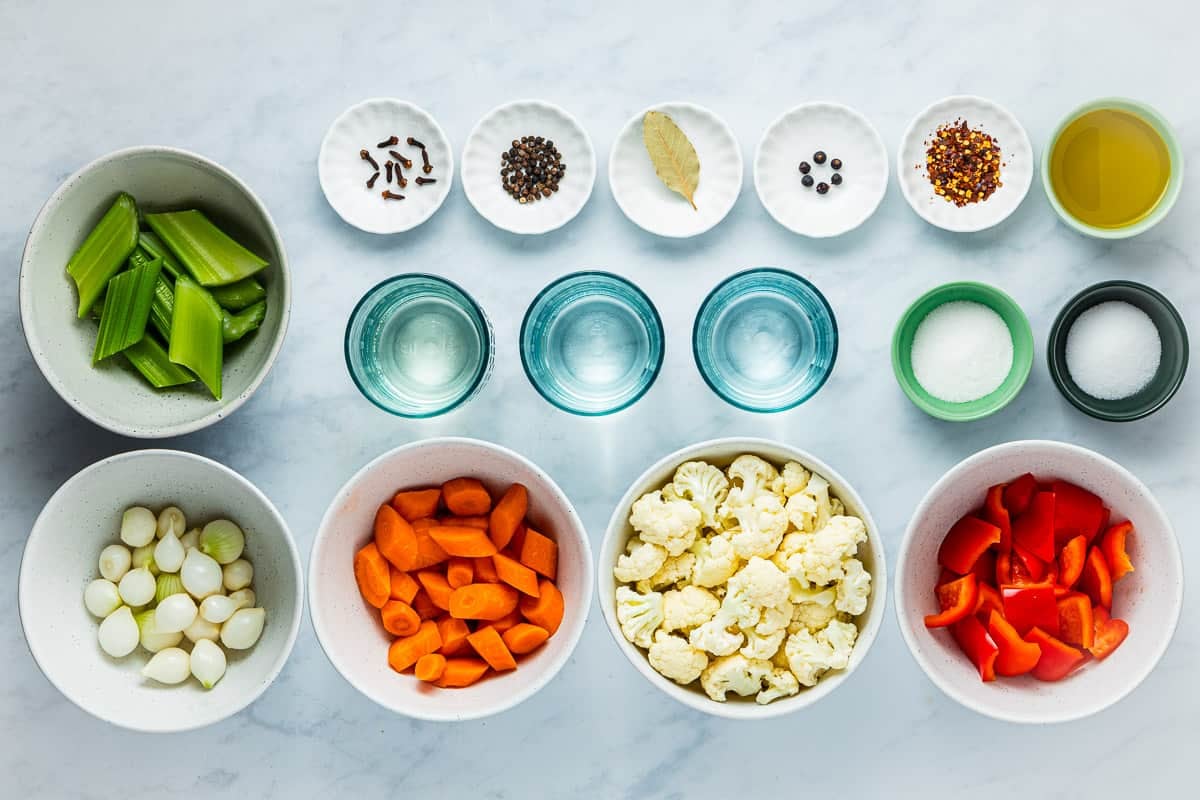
x=1109, y=168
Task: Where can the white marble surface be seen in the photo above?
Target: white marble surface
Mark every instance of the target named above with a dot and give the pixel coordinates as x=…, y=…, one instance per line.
x=254, y=85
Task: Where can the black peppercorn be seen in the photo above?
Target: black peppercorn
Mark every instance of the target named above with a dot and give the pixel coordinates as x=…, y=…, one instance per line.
x=836, y=163
x=822, y=187
x=805, y=167
x=807, y=180
x=819, y=157
x=835, y=179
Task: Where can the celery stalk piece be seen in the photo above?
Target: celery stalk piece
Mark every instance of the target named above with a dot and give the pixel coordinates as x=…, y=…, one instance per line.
x=104, y=251
x=235, y=326
x=211, y=257
x=150, y=358
x=162, y=307
x=196, y=340
x=154, y=248
x=126, y=309
x=237, y=296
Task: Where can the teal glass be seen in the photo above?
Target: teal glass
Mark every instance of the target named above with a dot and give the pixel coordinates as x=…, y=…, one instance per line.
x=765, y=340
x=592, y=343
x=418, y=346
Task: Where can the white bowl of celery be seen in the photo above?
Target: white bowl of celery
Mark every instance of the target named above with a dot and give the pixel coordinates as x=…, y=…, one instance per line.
x=154, y=292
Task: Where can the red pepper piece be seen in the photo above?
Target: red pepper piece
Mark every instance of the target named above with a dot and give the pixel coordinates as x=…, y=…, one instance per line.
x=1027, y=568
x=1076, y=512
x=977, y=643
x=1016, y=656
x=1034, y=530
x=989, y=600
x=1112, y=545
x=1028, y=607
x=1071, y=559
x=995, y=513
x=1003, y=568
x=1058, y=659
x=985, y=567
x=1096, y=580
x=965, y=543
x=1018, y=494
x=1108, y=635
x=946, y=576
x=1076, y=623
x=957, y=599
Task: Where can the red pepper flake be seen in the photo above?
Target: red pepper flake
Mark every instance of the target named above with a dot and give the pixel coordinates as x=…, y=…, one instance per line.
x=963, y=163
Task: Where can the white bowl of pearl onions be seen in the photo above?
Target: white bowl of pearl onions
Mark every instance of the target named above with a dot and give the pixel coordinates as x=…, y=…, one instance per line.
x=160, y=591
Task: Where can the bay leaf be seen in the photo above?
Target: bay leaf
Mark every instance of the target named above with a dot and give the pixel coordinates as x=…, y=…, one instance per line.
x=674, y=158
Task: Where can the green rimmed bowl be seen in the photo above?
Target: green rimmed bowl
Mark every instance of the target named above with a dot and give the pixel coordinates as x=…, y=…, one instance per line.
x=1171, y=369
x=1018, y=327
x=1174, y=183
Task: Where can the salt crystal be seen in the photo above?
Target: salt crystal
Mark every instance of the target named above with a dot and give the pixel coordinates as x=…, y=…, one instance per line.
x=1113, y=350
x=962, y=351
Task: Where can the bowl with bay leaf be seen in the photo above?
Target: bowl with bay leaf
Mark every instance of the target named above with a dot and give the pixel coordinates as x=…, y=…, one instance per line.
x=675, y=169
x=154, y=292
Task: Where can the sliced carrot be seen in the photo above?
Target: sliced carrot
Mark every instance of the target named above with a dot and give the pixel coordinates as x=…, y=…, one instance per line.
x=371, y=572
x=508, y=514
x=405, y=651
x=460, y=572
x=399, y=619
x=395, y=538
x=518, y=541
x=477, y=521
x=524, y=638
x=430, y=667
x=404, y=587
x=485, y=571
x=470, y=542
x=454, y=634
x=461, y=672
x=425, y=607
x=424, y=523
x=492, y=649
x=435, y=585
x=466, y=497
x=418, y=503
x=486, y=601
x=546, y=610
x=516, y=575
x=540, y=554
x=429, y=552
x=509, y=620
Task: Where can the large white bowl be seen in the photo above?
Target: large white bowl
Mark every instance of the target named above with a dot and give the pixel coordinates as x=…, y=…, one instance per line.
x=61, y=558
x=722, y=452
x=1149, y=599
x=350, y=631
x=113, y=395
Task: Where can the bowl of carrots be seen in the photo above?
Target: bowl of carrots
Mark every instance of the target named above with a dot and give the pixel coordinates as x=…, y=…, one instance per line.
x=1038, y=582
x=450, y=579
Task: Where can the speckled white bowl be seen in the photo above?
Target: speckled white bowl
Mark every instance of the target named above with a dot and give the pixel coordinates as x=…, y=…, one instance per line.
x=343, y=173
x=647, y=201
x=843, y=133
x=1149, y=599
x=113, y=395
x=495, y=133
x=60, y=559
x=350, y=631
x=1016, y=172
x=722, y=452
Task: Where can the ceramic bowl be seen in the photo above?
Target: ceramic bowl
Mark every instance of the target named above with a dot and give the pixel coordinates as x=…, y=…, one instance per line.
x=1016, y=171
x=495, y=133
x=60, y=559
x=343, y=172
x=647, y=201
x=842, y=133
x=350, y=631
x=721, y=453
x=112, y=394
x=1149, y=599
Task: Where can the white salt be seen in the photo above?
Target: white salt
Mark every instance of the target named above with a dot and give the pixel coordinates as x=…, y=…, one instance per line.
x=961, y=351
x=1113, y=350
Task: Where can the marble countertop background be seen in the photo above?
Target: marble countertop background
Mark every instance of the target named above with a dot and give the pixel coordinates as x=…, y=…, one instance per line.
x=254, y=85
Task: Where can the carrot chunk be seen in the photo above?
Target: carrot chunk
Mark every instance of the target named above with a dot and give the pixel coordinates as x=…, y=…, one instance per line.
x=425, y=607
x=485, y=601
x=430, y=667
x=524, y=638
x=429, y=552
x=508, y=514
x=405, y=651
x=454, y=634
x=395, y=538
x=509, y=620
x=485, y=571
x=492, y=649
x=399, y=619
x=461, y=672
x=460, y=572
x=466, y=497
x=477, y=521
x=436, y=587
x=371, y=572
x=404, y=587
x=470, y=542
x=546, y=610
x=414, y=505
x=516, y=575
x=540, y=554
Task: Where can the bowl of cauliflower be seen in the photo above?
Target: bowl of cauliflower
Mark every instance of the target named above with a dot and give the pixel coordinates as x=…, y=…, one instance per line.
x=743, y=577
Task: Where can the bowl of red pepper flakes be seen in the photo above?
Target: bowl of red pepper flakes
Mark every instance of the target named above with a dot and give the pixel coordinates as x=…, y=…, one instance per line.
x=1038, y=582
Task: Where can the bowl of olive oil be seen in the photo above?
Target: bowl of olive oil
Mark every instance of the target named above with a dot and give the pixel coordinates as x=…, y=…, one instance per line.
x=1113, y=168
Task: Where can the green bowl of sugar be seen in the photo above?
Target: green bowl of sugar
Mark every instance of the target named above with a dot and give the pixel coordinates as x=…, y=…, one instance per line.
x=962, y=351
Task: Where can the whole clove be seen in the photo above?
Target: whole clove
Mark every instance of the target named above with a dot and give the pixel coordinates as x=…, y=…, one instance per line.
x=407, y=162
x=426, y=167
x=388, y=142
x=365, y=156
x=389, y=171
x=413, y=142
x=421, y=181
x=371, y=180
x=392, y=195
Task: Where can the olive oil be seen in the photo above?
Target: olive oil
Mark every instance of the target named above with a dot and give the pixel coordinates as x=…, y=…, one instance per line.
x=1109, y=168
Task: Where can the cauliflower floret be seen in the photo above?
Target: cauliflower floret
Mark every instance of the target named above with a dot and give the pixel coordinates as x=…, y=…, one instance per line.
x=811, y=616
x=774, y=619
x=821, y=560
x=763, y=646
x=704, y=486
x=672, y=523
x=735, y=673
x=761, y=583
x=639, y=614
x=780, y=683
x=749, y=477
x=818, y=490
x=716, y=561
x=640, y=561
x=811, y=655
x=674, y=570
x=715, y=637
x=795, y=478
x=674, y=658
x=802, y=512
x=688, y=607
x=841, y=637
x=854, y=588
x=762, y=524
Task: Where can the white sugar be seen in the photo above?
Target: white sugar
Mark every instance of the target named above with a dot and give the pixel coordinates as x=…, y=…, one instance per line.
x=1113, y=350
x=962, y=351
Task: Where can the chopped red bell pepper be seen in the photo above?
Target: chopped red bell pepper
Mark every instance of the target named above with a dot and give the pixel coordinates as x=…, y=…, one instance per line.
x=1109, y=633
x=965, y=543
x=1034, y=530
x=1027, y=568
x=975, y=641
x=1028, y=607
x=1058, y=660
x=995, y=513
x=1003, y=568
x=1076, y=624
x=957, y=599
x=985, y=567
x=1096, y=580
x=1076, y=512
x=1018, y=493
x=1071, y=559
x=1112, y=545
x=989, y=600
x=1016, y=656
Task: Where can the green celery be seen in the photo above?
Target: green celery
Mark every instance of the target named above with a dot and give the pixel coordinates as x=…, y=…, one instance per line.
x=150, y=358
x=237, y=296
x=196, y=341
x=104, y=251
x=162, y=307
x=207, y=252
x=235, y=326
x=126, y=309
x=154, y=248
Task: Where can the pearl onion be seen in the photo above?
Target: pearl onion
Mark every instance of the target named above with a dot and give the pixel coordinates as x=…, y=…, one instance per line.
x=118, y=633
x=138, y=526
x=114, y=562
x=207, y=663
x=137, y=587
x=237, y=575
x=101, y=598
x=241, y=631
x=168, y=666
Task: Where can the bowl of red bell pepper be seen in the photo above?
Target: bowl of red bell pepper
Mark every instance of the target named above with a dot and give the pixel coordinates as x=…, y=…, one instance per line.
x=1038, y=581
